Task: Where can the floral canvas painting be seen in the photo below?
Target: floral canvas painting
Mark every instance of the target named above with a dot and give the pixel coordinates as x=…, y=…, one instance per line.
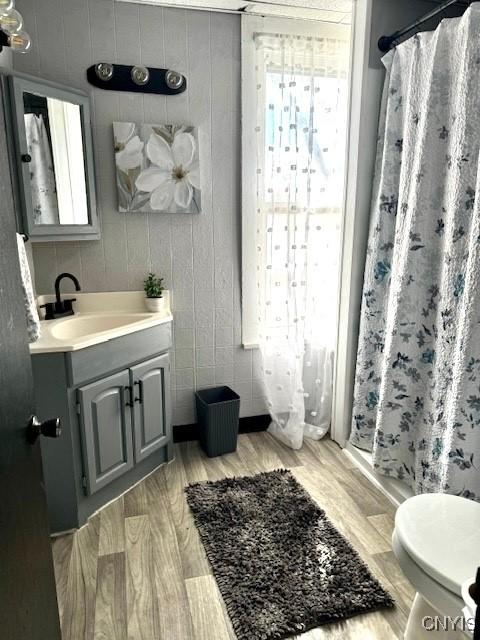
x=157, y=168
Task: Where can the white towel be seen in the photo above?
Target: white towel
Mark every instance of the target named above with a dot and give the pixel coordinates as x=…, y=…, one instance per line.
x=31, y=312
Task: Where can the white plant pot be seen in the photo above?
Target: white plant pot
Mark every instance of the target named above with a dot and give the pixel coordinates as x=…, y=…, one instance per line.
x=155, y=305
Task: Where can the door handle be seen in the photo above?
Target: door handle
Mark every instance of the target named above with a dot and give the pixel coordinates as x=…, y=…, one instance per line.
x=129, y=402
x=140, y=391
x=48, y=428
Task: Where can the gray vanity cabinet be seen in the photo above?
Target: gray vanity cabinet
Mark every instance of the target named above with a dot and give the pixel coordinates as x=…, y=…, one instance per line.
x=107, y=431
x=124, y=419
x=151, y=410
x=114, y=403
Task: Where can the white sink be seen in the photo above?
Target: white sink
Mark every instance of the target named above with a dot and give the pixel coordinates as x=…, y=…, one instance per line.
x=81, y=326
x=98, y=317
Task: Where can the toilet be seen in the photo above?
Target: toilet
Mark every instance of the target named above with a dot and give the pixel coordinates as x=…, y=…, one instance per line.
x=436, y=541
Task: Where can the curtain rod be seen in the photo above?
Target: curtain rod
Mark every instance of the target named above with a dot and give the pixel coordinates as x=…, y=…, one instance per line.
x=385, y=43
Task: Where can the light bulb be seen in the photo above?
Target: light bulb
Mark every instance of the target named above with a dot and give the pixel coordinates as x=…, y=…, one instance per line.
x=11, y=22
x=104, y=71
x=6, y=6
x=140, y=75
x=20, y=41
x=173, y=79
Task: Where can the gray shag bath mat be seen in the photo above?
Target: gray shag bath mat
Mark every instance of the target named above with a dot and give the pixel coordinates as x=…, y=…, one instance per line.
x=281, y=566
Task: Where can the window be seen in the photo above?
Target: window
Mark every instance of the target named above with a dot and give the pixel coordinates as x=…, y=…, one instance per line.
x=294, y=114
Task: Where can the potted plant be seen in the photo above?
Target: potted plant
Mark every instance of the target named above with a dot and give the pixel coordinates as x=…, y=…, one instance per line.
x=153, y=289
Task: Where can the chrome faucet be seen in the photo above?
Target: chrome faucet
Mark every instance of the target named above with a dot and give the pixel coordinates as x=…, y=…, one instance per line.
x=61, y=308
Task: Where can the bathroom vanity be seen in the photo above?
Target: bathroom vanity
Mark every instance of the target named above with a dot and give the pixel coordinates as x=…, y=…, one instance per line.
x=105, y=372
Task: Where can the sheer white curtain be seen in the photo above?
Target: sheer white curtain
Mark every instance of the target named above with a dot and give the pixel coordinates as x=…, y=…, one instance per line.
x=300, y=129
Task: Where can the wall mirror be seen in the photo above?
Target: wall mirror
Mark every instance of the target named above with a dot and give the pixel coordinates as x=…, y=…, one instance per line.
x=54, y=160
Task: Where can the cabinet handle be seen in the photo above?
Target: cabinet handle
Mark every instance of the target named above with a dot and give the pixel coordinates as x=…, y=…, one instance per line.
x=140, y=391
x=129, y=402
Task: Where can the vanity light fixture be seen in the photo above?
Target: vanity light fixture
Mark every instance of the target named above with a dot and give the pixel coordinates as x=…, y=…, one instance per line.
x=135, y=78
x=11, y=33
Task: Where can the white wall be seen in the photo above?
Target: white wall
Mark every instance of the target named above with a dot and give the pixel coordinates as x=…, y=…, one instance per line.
x=198, y=255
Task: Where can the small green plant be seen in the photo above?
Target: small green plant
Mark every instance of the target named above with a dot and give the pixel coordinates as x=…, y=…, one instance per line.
x=153, y=286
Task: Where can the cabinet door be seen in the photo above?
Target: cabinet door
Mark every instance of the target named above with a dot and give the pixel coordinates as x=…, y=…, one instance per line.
x=107, y=430
x=151, y=419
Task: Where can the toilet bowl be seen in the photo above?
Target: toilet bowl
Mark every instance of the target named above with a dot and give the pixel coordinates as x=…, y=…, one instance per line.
x=436, y=541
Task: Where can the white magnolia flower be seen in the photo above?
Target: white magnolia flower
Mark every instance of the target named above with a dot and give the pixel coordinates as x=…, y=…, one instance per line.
x=174, y=172
x=123, y=131
x=128, y=149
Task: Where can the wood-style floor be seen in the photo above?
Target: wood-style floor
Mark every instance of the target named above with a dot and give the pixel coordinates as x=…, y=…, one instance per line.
x=137, y=570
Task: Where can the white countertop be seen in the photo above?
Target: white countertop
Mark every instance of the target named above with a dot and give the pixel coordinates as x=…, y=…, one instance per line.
x=96, y=315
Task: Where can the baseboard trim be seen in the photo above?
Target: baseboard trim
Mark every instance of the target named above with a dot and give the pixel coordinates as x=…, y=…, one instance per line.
x=250, y=424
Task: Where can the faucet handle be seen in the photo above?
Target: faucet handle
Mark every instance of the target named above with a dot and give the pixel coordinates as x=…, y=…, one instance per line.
x=67, y=303
x=58, y=309
x=49, y=310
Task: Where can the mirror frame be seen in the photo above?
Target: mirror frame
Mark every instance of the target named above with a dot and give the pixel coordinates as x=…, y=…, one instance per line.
x=18, y=84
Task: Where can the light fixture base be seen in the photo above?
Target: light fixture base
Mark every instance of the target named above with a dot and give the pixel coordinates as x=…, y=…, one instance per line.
x=136, y=78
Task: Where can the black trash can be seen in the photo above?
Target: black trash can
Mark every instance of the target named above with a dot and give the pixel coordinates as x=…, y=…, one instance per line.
x=217, y=414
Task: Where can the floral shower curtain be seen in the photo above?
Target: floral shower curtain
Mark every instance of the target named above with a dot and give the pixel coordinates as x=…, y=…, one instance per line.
x=417, y=392
x=42, y=176
x=301, y=132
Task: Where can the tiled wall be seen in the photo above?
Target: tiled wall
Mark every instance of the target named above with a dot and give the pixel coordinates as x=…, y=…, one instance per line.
x=199, y=255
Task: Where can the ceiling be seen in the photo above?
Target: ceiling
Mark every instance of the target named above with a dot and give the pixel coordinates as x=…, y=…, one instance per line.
x=337, y=11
